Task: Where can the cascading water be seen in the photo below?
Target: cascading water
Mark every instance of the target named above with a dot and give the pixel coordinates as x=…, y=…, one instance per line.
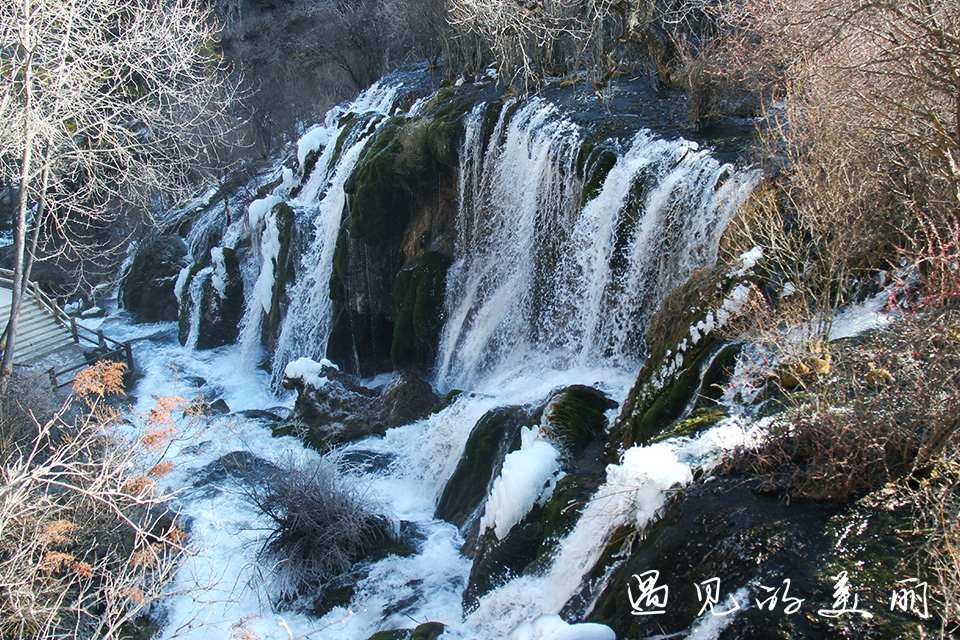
x=320, y=203
x=545, y=291
x=543, y=283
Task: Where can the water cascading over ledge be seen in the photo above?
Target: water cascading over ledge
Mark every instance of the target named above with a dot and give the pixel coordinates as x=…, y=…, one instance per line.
x=471, y=237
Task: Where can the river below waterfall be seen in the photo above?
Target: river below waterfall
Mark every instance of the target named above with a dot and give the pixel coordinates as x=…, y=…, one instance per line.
x=220, y=593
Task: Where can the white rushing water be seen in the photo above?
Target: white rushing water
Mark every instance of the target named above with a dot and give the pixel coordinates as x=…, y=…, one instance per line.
x=544, y=292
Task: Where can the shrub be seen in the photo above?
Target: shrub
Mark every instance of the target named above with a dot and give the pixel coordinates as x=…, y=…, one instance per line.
x=888, y=409
x=86, y=540
x=322, y=525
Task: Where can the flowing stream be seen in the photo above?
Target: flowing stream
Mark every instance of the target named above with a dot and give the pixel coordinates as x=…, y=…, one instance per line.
x=545, y=291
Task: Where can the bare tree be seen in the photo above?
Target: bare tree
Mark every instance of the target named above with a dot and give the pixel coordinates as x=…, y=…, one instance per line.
x=103, y=101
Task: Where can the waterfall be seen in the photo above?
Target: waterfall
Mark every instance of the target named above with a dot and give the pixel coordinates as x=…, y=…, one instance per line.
x=320, y=202
x=195, y=293
x=541, y=282
x=559, y=259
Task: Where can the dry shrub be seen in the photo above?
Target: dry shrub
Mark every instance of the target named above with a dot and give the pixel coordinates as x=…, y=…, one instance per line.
x=84, y=548
x=863, y=148
x=888, y=410
x=937, y=502
x=322, y=525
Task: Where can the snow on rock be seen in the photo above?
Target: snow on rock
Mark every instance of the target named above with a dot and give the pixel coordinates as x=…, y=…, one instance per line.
x=181, y=283
x=269, y=250
x=258, y=209
x=528, y=475
x=311, y=141
x=287, y=180
x=553, y=627
x=219, y=279
x=309, y=371
x=749, y=259
x=646, y=473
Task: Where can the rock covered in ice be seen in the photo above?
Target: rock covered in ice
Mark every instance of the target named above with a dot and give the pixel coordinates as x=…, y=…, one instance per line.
x=553, y=627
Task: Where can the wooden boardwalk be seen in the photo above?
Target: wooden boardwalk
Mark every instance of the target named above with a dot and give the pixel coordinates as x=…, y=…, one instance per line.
x=49, y=339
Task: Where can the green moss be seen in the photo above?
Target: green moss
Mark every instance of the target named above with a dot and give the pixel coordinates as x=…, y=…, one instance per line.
x=667, y=405
x=339, y=274
x=697, y=422
x=485, y=448
x=442, y=139
x=596, y=165
x=447, y=401
x=398, y=634
x=570, y=497
x=576, y=416
x=718, y=374
x=427, y=631
x=379, y=210
x=419, y=295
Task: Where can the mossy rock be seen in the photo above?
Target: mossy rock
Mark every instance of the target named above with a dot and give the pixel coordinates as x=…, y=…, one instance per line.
x=147, y=287
x=428, y=631
x=560, y=515
x=221, y=309
x=575, y=417
x=407, y=157
x=397, y=634
x=448, y=400
x=670, y=381
x=186, y=304
x=419, y=294
x=529, y=546
x=338, y=275
x=667, y=405
x=696, y=423
x=480, y=463
x=618, y=545
x=723, y=530
x=499, y=561
x=718, y=375
x=380, y=205
x=442, y=140
x=595, y=163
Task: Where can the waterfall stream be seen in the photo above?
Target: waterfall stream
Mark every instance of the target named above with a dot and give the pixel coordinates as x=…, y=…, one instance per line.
x=545, y=291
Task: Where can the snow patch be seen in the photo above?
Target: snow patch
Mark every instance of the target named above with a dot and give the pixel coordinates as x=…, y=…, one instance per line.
x=181, y=283
x=528, y=475
x=855, y=319
x=219, y=278
x=749, y=259
x=311, y=141
x=645, y=474
x=309, y=371
x=553, y=627
x=258, y=210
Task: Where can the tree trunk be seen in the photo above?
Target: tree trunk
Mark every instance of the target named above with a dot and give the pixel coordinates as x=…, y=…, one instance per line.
x=20, y=233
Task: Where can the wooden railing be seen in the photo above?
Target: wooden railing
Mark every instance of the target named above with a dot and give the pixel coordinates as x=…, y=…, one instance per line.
x=108, y=348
